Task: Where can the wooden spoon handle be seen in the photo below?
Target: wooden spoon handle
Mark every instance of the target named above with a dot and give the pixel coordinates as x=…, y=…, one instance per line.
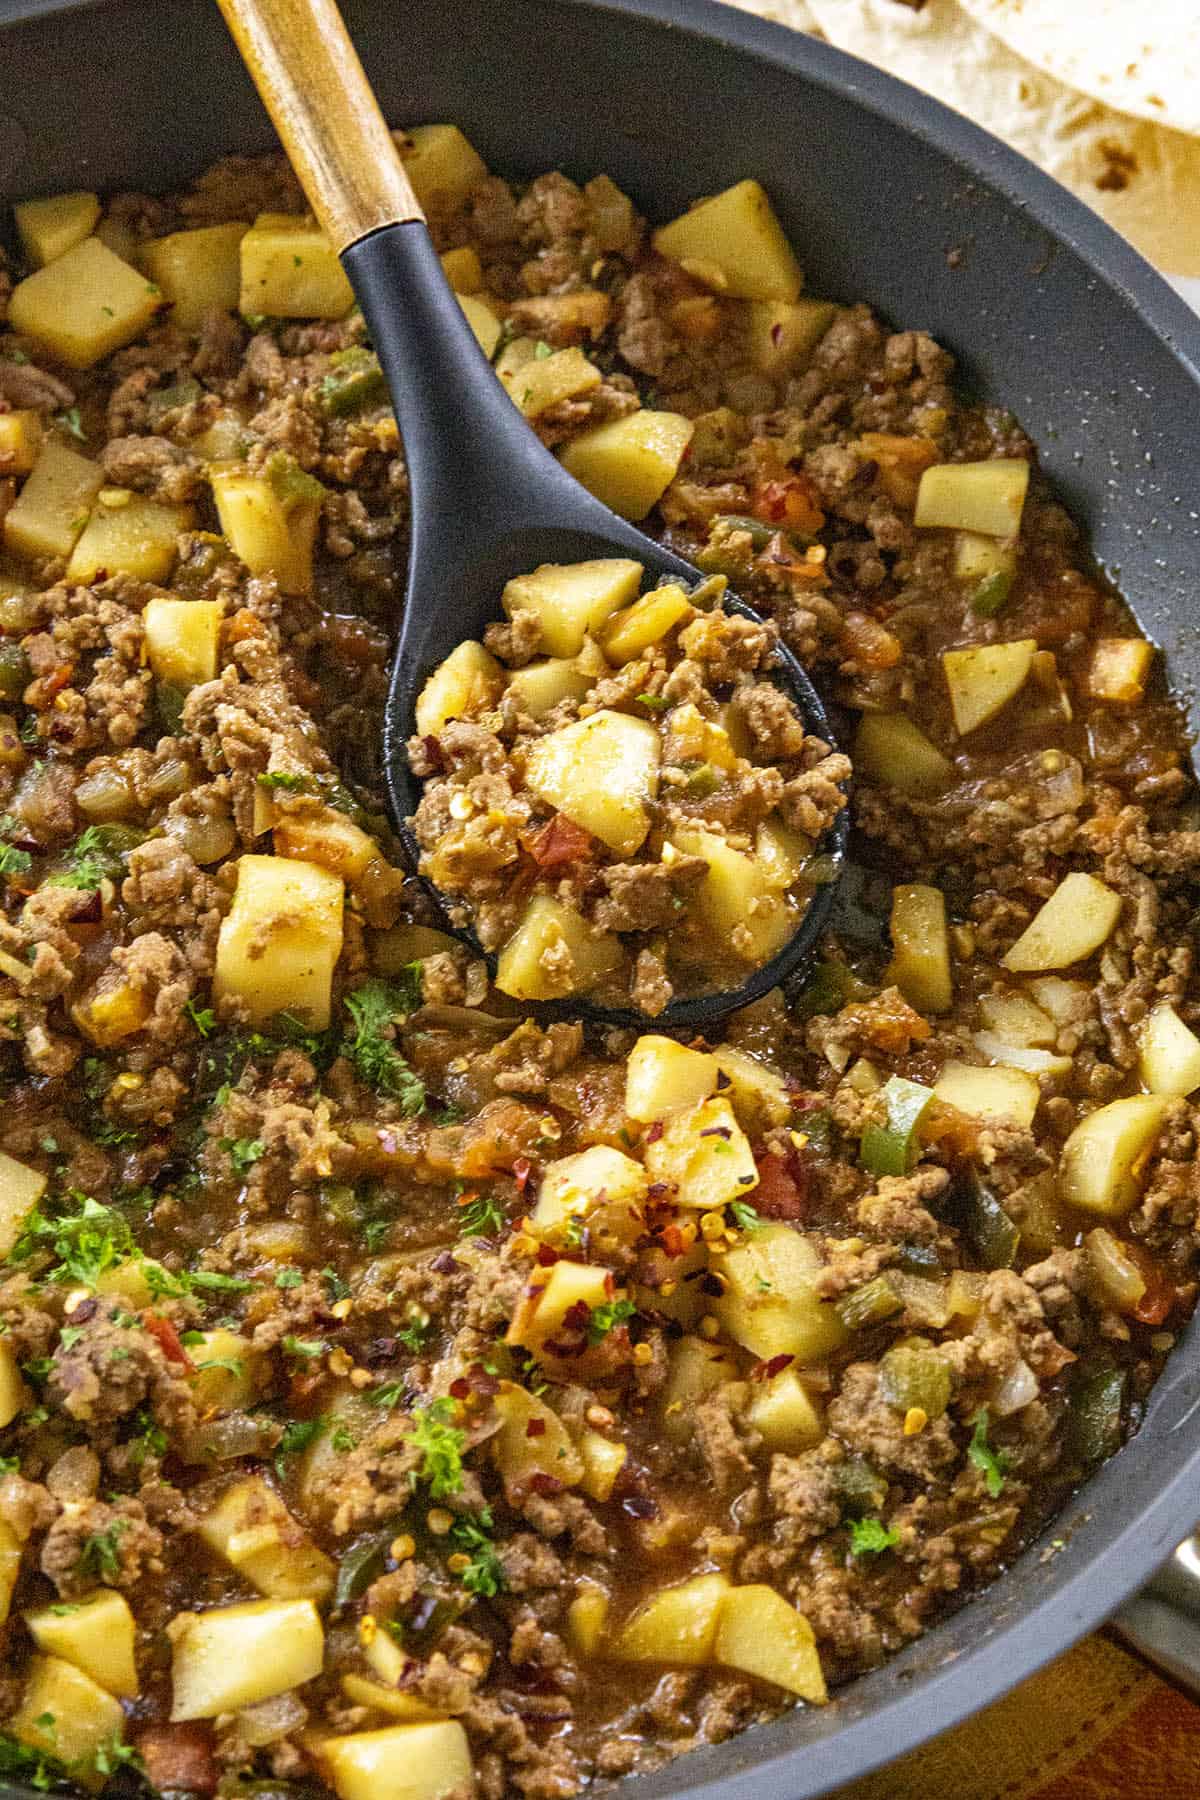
x=320, y=102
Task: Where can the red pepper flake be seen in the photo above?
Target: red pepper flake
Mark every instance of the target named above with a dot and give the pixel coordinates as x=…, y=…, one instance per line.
x=167, y=1338
x=777, y=335
x=655, y=1132
x=536, y=1428
x=522, y=1169
x=481, y=1381
x=672, y=1240
x=546, y=1257
x=775, y=1365
x=460, y=1389
x=559, y=844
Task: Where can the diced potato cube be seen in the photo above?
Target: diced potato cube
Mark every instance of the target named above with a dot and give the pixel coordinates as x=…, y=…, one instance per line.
x=254, y=1532
x=770, y=1304
x=52, y=508
x=290, y=270
x=10, y=1568
x=983, y=680
x=734, y=243
x=662, y=1076
x=49, y=228
x=84, y=304
x=137, y=537
x=779, y=853
x=693, y=738
x=272, y=532
x=483, y=322
x=520, y=1453
x=678, y=1625
x=629, y=463
x=230, y=1372
x=759, y=1095
x=363, y=1692
x=20, y=1190
x=68, y=1716
x=601, y=772
x=441, y=164
x=114, y=1010
x=920, y=965
x=466, y=684
x=758, y=1632
x=1118, y=670
x=705, y=1154
x=785, y=1414
x=646, y=622
x=96, y=1633
x=1170, y=1053
x=14, y=1395
x=603, y=1461
x=421, y=1761
x=233, y=1656
x=781, y=334
x=198, y=271
x=1076, y=919
x=182, y=640
x=987, y=497
x=541, y=686
x=587, y=1621
x=463, y=270
x=697, y=1368
x=279, y=944
x=127, y=1280
x=1067, y=1002
x=891, y=750
x=1020, y=1056
x=322, y=1464
x=329, y=838
x=977, y=558
x=736, y=899
x=1000, y=1093
x=543, y=1305
x=572, y=600
x=1015, y=1018
x=553, y=952
x=573, y=1185
x=1104, y=1160
x=20, y=442
x=544, y=381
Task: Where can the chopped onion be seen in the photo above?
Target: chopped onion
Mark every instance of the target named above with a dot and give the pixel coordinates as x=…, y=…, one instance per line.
x=105, y=794
x=207, y=837
x=270, y=1720
x=170, y=779
x=236, y=1434
x=1018, y=1388
x=1116, y=1275
x=1020, y=1056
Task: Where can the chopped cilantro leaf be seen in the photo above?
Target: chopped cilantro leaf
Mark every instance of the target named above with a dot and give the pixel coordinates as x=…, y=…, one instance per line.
x=607, y=1317
x=85, y=1243
x=992, y=1464
x=303, y=1347
x=100, y=1554
x=288, y=1278
x=13, y=861
x=484, y=1574
x=243, y=1153
x=374, y=1008
x=870, y=1537
x=481, y=1216
x=298, y=1434
x=744, y=1215
x=202, y=1017
x=441, y=1445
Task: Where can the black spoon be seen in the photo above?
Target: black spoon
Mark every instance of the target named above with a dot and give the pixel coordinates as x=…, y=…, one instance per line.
x=488, y=500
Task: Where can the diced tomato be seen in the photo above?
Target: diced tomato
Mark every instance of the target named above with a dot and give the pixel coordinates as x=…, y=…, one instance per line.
x=559, y=843
x=782, y=1191
x=167, y=1338
x=179, y=1758
x=788, y=500
x=1160, y=1295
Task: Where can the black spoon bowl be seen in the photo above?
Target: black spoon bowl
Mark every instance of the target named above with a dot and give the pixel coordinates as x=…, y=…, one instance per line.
x=488, y=501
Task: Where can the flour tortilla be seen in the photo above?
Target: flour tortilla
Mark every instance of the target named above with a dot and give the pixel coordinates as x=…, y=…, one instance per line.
x=1144, y=179
x=1140, y=56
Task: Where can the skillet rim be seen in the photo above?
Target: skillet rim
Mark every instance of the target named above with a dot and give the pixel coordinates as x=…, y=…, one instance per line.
x=804, y=1753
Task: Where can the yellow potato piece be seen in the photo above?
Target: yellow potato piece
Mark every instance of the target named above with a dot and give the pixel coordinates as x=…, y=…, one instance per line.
x=758, y=1632
x=1119, y=669
x=463, y=270
x=483, y=322
x=49, y=228
x=53, y=507
x=572, y=600
x=273, y=533
x=290, y=270
x=574, y=1184
x=545, y=381
x=770, y=1305
x=254, y=1532
x=662, y=1076
x=520, y=1453
x=14, y=1395
x=601, y=772
x=553, y=952
x=696, y=1369
x=20, y=1190
x=603, y=1461
x=66, y=1714
x=182, y=639
x=705, y=1155
x=229, y=1370
x=646, y=622
x=137, y=537
x=198, y=271
x=785, y=1414
x=1103, y=1161
x=441, y=163
x=891, y=750
x=987, y=497
x=1073, y=923
x=758, y=1092
x=20, y=442
x=84, y=304
x=1000, y=1093
x=976, y=557
x=629, y=463
x=734, y=243
x=920, y=965
x=679, y=1625
x=390, y=1700
x=10, y=1568
x=542, y=1307
x=541, y=686
x=587, y=1621
x=97, y=1634
x=1169, y=1052
x=781, y=334
x=737, y=895
x=466, y=684
x=401, y=1762
x=233, y=1656
x=281, y=939
x=983, y=680
x=329, y=838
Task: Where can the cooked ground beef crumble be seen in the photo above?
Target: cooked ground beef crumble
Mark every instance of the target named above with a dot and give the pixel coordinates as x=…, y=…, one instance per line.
x=584, y=1398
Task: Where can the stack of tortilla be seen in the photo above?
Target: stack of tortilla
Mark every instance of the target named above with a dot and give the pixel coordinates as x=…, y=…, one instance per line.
x=1104, y=94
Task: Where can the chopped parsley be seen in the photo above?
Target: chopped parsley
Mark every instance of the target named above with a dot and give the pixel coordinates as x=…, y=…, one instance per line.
x=342, y=1439
x=481, y=1216
x=414, y=1335
x=653, y=702
x=288, y=1278
x=484, y=1574
x=744, y=1216
x=233, y=1365
x=870, y=1537
x=992, y=1464
x=202, y=1017
x=607, y=1317
x=441, y=1445
x=388, y=1394
x=243, y=1153
x=306, y=1348
x=149, y=1440
x=98, y=854
x=24, y=1764
x=14, y=861
x=336, y=1288
x=85, y=1243
x=374, y=1008
x=100, y=1554
x=71, y=421
x=10, y=1465
x=283, y=778
x=298, y=1434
